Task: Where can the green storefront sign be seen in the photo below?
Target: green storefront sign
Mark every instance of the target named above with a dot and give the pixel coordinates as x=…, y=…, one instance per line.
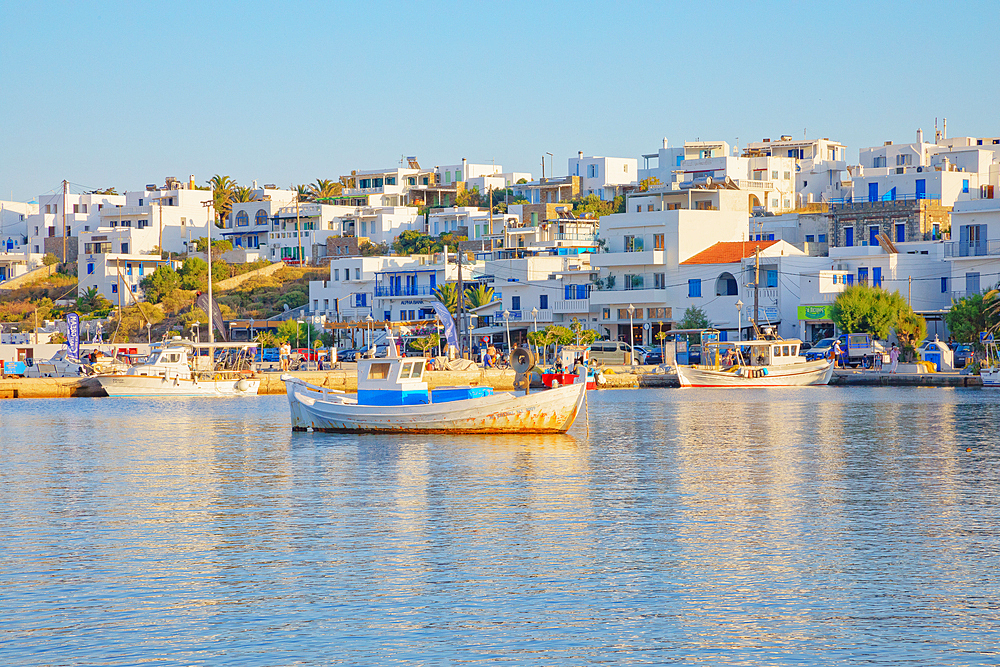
x=814, y=313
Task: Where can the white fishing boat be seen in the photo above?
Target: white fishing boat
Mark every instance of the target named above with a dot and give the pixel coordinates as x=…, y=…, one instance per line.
x=767, y=362
x=393, y=397
x=172, y=370
x=61, y=365
x=989, y=372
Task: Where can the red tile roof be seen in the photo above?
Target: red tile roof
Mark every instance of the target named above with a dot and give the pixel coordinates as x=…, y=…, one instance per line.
x=727, y=252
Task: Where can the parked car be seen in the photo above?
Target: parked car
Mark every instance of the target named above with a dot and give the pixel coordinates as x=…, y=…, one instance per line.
x=963, y=355
x=307, y=354
x=267, y=355
x=821, y=348
x=653, y=358
x=612, y=352
x=694, y=353
x=350, y=354
x=640, y=352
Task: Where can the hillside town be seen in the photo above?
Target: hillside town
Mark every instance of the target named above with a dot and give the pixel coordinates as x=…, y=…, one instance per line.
x=770, y=232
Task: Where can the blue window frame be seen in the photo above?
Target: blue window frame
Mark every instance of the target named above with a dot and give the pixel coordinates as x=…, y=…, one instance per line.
x=862, y=275
x=772, y=278
x=850, y=279
x=900, y=233
x=515, y=303
x=90, y=268
x=822, y=238
x=114, y=288
x=694, y=287
x=543, y=302
x=581, y=291
x=848, y=236
x=569, y=291
x=965, y=186
x=873, y=232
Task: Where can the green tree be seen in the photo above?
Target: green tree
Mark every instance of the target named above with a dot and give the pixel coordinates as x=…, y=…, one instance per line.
x=159, y=283
x=694, y=318
x=91, y=300
x=970, y=315
x=194, y=274
x=49, y=259
x=426, y=343
x=585, y=336
x=447, y=293
x=324, y=189
x=299, y=335
x=478, y=296
x=865, y=309
x=647, y=183
x=222, y=197
x=242, y=195
x=369, y=249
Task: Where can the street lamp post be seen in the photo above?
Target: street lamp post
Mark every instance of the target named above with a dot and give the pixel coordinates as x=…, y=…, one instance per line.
x=197, y=332
x=739, y=320
x=369, y=319
x=631, y=331
x=149, y=336
x=506, y=319
x=534, y=316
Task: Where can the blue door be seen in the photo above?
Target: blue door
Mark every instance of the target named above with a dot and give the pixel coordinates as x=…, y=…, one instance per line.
x=873, y=235
x=921, y=188
x=873, y=192
x=862, y=275
x=876, y=276
x=848, y=236
x=900, y=233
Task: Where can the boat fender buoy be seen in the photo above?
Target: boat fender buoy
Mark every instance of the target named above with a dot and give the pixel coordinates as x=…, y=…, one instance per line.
x=243, y=384
x=765, y=371
x=218, y=377
x=555, y=383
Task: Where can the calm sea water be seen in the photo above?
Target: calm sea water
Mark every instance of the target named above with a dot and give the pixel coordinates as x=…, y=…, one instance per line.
x=805, y=526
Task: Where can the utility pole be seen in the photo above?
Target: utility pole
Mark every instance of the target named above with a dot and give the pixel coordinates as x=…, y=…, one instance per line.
x=461, y=304
x=543, y=167
x=65, y=192
x=298, y=229
x=490, y=197
x=756, y=290
x=160, y=202
x=909, y=291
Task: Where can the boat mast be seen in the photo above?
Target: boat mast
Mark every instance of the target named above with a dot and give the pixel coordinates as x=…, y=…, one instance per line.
x=211, y=307
x=756, y=291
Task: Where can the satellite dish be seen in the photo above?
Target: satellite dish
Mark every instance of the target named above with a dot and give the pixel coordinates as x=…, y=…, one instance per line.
x=285, y=307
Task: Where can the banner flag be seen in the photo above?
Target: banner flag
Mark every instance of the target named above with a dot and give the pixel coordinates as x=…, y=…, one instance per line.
x=73, y=334
x=448, y=321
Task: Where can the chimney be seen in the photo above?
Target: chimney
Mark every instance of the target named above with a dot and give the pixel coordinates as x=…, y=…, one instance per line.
x=944, y=128
x=579, y=155
x=463, y=169
x=920, y=136
x=191, y=184
x=665, y=145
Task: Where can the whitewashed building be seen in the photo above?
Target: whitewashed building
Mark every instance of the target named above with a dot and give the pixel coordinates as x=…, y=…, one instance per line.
x=605, y=177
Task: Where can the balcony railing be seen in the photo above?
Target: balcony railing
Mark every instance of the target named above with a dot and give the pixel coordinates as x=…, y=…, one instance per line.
x=572, y=306
x=404, y=290
x=885, y=198
x=750, y=184
x=971, y=248
x=588, y=238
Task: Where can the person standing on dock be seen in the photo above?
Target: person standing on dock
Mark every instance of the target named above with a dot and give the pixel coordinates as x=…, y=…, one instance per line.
x=285, y=352
x=894, y=358
x=836, y=353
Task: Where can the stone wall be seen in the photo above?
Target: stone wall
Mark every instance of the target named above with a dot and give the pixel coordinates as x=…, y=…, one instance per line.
x=29, y=277
x=236, y=281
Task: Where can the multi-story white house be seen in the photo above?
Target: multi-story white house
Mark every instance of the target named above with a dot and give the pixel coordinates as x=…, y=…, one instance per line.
x=250, y=224
x=820, y=165
x=605, y=177
x=14, y=225
x=81, y=213
x=768, y=181
x=175, y=212
x=973, y=253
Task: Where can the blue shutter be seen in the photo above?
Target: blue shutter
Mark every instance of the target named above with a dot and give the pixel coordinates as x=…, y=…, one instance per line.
x=850, y=279
x=568, y=291
x=900, y=233
x=944, y=285
x=873, y=192
x=862, y=275
x=772, y=278
x=543, y=302
x=849, y=236
x=965, y=186
x=921, y=188
x=581, y=291
x=877, y=276
x=694, y=287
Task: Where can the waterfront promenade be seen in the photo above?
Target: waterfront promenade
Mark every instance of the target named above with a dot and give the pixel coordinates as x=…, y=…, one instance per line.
x=621, y=377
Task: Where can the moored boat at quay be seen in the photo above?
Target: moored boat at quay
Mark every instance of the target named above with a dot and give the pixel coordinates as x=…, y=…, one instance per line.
x=171, y=370
x=393, y=397
x=766, y=362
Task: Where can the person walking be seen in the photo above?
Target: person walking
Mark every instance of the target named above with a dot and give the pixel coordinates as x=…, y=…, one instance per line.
x=491, y=356
x=894, y=358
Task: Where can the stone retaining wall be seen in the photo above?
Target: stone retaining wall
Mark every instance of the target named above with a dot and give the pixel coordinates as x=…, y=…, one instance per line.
x=236, y=281
x=29, y=277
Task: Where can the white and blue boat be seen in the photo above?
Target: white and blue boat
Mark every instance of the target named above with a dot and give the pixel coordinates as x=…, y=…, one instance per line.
x=393, y=397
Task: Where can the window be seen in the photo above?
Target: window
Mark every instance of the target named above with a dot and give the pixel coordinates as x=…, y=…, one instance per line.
x=336, y=272
x=965, y=186
x=972, y=283
x=726, y=285
x=774, y=202
x=582, y=291
x=903, y=160
x=680, y=158
x=357, y=274
x=114, y=288
x=788, y=175
x=694, y=287
x=515, y=303
x=90, y=267
x=944, y=285
x=849, y=279
x=605, y=313
x=659, y=281
x=622, y=315
x=649, y=207
x=876, y=276
x=128, y=268
x=626, y=168
x=822, y=238
x=900, y=232
x=543, y=302
x=772, y=278
x=638, y=208
x=848, y=236
x=242, y=219
x=878, y=162
x=658, y=242
x=633, y=281
x=591, y=171
x=862, y=275
x=787, y=203
x=810, y=238
x=124, y=248
x=774, y=175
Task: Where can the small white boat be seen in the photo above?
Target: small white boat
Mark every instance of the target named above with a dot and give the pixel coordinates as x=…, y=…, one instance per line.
x=990, y=370
x=393, y=397
x=169, y=372
x=61, y=365
x=759, y=363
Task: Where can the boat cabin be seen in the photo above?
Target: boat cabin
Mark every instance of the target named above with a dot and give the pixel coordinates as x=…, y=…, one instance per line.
x=400, y=381
x=754, y=353
x=166, y=360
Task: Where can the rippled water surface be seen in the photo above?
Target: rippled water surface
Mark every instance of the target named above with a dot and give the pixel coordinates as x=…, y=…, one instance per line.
x=804, y=526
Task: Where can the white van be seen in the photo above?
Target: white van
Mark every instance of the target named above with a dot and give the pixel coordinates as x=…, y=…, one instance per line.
x=612, y=353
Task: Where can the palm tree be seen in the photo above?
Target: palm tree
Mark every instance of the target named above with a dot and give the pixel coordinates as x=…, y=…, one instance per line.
x=324, y=189
x=448, y=295
x=479, y=296
x=242, y=195
x=222, y=197
x=302, y=191
x=91, y=300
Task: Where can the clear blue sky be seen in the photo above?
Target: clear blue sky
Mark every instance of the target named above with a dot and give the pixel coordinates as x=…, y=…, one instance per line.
x=123, y=94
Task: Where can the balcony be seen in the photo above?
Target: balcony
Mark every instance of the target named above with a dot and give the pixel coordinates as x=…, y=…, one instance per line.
x=971, y=248
x=402, y=291
x=572, y=306
x=749, y=184
x=586, y=238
